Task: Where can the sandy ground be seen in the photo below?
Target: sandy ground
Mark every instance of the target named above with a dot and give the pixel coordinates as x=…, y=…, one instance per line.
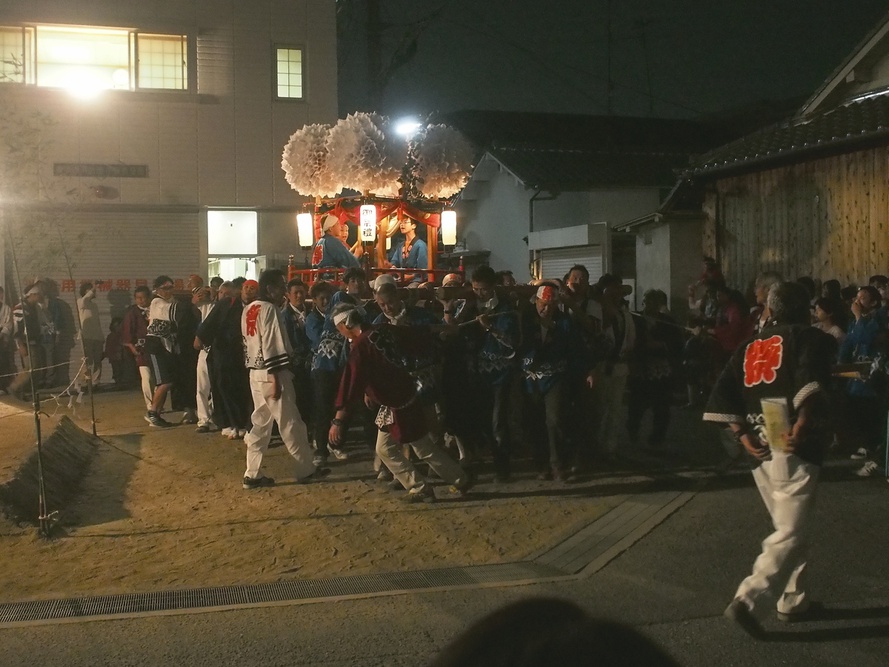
x=162, y=509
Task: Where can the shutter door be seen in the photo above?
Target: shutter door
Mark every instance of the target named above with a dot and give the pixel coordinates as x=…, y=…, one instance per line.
x=117, y=252
x=556, y=262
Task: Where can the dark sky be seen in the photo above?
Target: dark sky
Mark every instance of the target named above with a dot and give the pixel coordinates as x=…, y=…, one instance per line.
x=694, y=56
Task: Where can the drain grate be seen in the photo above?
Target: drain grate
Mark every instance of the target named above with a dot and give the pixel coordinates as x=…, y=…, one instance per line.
x=284, y=591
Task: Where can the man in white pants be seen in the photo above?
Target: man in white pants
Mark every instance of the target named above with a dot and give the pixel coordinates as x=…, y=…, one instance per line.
x=267, y=355
x=203, y=299
x=786, y=366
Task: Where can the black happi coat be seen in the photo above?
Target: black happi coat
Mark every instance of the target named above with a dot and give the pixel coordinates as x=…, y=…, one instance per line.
x=791, y=362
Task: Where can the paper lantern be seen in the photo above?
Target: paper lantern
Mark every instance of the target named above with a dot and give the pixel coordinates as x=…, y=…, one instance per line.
x=449, y=227
x=304, y=230
x=368, y=218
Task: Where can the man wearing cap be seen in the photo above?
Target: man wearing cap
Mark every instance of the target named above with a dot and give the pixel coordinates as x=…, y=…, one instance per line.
x=619, y=337
x=550, y=342
x=267, y=355
x=330, y=250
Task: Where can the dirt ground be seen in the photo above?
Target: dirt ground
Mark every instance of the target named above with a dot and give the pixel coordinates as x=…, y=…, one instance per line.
x=164, y=509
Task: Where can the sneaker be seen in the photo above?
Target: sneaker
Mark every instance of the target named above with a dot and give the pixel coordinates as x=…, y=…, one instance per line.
x=465, y=483
x=318, y=461
x=203, y=428
x=156, y=420
x=226, y=432
x=419, y=494
x=338, y=454
x=257, y=482
x=738, y=612
x=813, y=612
x=869, y=469
x=189, y=417
x=319, y=473
x=385, y=475
x=859, y=455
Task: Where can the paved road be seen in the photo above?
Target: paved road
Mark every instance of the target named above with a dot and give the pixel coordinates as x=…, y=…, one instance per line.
x=673, y=585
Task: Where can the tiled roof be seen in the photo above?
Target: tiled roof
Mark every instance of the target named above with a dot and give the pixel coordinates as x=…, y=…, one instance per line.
x=851, y=126
x=560, y=169
x=576, y=152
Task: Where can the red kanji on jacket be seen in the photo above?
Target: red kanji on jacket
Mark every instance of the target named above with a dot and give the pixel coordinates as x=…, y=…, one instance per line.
x=252, y=315
x=762, y=359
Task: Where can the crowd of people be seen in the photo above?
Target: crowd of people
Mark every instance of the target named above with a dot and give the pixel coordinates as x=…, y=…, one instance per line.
x=447, y=376
x=855, y=317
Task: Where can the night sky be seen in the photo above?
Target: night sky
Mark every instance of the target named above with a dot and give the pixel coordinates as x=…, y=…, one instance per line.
x=670, y=58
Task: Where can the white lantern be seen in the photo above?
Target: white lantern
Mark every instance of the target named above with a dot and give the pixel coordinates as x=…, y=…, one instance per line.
x=304, y=230
x=368, y=217
x=449, y=227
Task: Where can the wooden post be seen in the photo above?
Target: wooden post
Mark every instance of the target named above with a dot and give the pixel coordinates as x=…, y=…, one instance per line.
x=431, y=249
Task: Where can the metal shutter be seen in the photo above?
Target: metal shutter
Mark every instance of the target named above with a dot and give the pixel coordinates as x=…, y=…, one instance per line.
x=555, y=262
x=117, y=250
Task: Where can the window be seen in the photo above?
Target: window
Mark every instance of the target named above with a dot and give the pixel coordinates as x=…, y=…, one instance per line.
x=92, y=59
x=13, y=43
x=162, y=61
x=289, y=72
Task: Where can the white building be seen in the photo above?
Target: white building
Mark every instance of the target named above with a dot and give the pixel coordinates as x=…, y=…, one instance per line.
x=165, y=127
x=550, y=188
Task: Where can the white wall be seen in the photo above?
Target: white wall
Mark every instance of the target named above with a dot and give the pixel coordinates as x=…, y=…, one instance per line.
x=498, y=221
x=671, y=261
x=653, y=261
x=218, y=144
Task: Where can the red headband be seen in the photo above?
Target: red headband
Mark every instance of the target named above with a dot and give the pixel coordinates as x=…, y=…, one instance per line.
x=546, y=293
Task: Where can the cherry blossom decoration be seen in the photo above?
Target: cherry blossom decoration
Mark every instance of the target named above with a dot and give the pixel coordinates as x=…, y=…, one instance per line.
x=305, y=162
x=442, y=161
x=366, y=155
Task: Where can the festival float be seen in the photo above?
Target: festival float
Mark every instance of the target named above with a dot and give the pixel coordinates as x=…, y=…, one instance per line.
x=392, y=178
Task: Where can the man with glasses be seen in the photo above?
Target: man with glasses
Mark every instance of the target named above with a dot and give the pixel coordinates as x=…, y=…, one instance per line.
x=161, y=346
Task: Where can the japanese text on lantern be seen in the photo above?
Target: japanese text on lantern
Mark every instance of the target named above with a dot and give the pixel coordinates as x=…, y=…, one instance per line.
x=762, y=359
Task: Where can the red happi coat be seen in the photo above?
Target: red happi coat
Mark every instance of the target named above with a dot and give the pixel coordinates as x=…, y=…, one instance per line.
x=379, y=365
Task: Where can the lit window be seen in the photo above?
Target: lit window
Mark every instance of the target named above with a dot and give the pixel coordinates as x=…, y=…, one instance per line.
x=88, y=60
x=289, y=69
x=83, y=58
x=162, y=61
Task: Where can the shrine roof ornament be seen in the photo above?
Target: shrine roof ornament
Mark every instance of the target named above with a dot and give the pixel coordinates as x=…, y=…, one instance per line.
x=364, y=153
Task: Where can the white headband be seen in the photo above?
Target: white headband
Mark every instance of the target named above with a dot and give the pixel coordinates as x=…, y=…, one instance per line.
x=340, y=318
